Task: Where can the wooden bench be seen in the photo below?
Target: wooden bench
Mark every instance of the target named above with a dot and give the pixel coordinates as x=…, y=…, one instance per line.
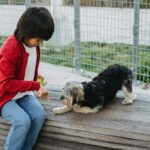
x=116, y=127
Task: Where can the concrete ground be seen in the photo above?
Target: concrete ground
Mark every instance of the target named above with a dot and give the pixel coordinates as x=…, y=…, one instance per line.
x=58, y=76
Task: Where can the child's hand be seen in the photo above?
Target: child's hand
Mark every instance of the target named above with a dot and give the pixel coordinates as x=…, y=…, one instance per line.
x=41, y=80
x=42, y=93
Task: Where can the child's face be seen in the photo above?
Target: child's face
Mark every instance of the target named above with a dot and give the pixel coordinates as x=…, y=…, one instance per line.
x=33, y=42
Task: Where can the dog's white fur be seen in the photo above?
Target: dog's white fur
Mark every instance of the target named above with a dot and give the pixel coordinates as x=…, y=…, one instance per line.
x=129, y=97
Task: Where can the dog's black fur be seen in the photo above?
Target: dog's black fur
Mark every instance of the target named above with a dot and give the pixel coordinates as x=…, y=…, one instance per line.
x=104, y=86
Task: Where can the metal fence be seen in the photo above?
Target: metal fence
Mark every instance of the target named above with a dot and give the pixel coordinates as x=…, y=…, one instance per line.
x=91, y=34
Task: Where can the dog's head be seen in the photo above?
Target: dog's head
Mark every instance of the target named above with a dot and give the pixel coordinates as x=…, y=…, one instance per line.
x=127, y=78
x=72, y=93
x=124, y=74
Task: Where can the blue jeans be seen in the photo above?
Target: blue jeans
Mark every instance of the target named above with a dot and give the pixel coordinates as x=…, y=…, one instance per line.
x=27, y=117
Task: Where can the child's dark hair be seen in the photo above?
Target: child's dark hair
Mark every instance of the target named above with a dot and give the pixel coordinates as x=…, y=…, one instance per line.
x=35, y=22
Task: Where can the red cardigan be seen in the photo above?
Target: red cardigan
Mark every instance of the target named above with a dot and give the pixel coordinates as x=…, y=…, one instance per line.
x=13, y=61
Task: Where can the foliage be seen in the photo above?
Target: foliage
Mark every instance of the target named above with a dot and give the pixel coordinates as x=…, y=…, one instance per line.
x=108, y=3
x=92, y=3
x=144, y=71
x=95, y=56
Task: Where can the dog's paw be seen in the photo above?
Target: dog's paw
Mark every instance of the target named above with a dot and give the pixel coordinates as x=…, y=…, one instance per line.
x=97, y=108
x=57, y=110
x=86, y=110
x=83, y=110
x=127, y=101
x=76, y=108
x=62, y=110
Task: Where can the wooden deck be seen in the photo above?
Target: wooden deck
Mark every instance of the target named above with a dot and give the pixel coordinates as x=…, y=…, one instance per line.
x=124, y=127
x=116, y=127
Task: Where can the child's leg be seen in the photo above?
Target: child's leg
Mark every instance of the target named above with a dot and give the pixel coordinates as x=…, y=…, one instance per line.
x=20, y=120
x=37, y=115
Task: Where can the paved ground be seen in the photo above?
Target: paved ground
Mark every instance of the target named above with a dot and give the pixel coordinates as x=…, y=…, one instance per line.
x=58, y=76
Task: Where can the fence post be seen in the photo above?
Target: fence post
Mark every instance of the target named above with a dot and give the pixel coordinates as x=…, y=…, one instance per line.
x=136, y=37
x=27, y=3
x=56, y=10
x=77, y=35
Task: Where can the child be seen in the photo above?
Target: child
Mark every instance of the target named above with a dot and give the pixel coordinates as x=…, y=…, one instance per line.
x=19, y=61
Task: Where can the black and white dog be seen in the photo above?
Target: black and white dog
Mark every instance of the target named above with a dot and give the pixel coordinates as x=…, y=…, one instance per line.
x=90, y=97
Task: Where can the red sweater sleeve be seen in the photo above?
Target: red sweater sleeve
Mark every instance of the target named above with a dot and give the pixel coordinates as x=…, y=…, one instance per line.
x=9, y=59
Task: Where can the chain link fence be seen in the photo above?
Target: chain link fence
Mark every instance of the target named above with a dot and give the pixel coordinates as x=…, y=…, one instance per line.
x=91, y=34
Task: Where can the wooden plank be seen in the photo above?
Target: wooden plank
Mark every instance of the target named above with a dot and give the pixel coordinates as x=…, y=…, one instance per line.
x=117, y=127
x=93, y=142
x=2, y=121
x=96, y=136
x=2, y=138
x=97, y=130
x=107, y=118
x=1, y=144
x=4, y=126
x=3, y=132
x=55, y=144
x=105, y=123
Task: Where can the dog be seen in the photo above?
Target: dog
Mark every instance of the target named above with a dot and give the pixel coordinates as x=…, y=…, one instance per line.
x=90, y=97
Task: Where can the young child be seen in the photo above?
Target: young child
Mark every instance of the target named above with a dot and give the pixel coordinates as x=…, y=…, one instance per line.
x=19, y=61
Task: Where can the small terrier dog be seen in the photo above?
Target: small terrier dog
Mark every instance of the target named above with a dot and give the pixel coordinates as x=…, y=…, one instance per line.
x=90, y=97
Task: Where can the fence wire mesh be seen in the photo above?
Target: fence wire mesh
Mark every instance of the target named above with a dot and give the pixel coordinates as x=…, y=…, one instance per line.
x=91, y=34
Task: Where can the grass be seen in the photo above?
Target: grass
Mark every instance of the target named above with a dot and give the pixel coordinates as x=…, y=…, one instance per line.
x=95, y=56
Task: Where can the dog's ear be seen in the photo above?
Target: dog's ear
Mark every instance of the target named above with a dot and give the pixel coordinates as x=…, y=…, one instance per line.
x=75, y=92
